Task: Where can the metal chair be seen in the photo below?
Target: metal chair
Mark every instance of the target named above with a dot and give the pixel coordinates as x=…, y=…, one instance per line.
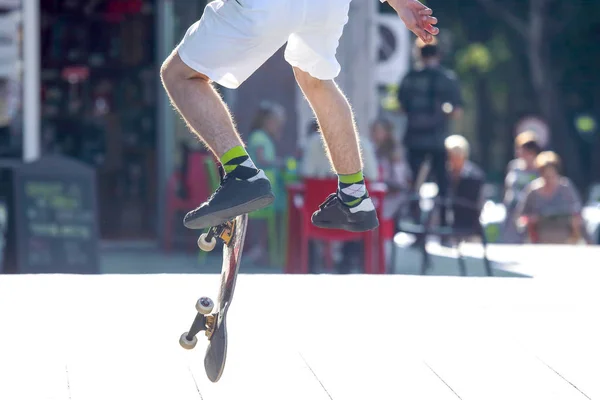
x=463, y=206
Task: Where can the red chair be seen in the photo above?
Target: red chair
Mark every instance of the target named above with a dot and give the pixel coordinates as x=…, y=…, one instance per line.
x=196, y=187
x=377, y=191
x=315, y=192
x=386, y=232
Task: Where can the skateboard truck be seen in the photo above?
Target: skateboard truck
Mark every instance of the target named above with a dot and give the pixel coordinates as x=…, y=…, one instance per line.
x=204, y=321
x=224, y=232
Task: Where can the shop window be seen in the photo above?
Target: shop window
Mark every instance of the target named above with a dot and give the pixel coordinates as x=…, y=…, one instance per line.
x=98, y=79
x=11, y=79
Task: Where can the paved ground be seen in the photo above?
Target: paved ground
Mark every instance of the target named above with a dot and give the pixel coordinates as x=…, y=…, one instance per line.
x=146, y=258
x=507, y=261
x=302, y=337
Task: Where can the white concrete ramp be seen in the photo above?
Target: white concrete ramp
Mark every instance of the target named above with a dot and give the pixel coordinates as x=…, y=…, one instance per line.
x=301, y=337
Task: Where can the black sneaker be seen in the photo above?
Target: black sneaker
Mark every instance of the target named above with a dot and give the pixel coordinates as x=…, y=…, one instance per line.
x=334, y=214
x=232, y=198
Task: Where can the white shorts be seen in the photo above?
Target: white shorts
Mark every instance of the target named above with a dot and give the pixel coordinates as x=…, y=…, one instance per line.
x=235, y=37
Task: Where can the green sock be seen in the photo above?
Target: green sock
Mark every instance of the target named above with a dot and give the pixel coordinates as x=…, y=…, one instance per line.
x=352, y=189
x=237, y=162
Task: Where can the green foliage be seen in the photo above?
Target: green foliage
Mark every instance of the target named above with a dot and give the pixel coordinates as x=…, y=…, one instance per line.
x=483, y=58
x=474, y=57
x=390, y=101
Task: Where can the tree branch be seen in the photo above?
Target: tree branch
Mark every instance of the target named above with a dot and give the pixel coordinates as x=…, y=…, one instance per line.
x=493, y=8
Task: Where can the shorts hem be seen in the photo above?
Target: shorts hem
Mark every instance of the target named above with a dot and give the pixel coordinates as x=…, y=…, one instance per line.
x=312, y=71
x=218, y=78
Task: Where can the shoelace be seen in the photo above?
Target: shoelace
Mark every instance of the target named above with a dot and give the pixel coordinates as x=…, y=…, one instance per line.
x=223, y=181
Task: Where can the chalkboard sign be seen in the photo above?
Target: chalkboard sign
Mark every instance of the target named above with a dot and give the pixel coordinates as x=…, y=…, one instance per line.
x=56, y=217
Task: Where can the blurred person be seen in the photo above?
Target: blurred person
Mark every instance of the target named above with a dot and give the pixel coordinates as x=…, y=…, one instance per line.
x=231, y=41
x=9, y=90
x=466, y=181
x=393, y=169
x=266, y=131
x=430, y=97
x=459, y=166
x=315, y=162
x=520, y=172
x=5, y=118
x=551, y=207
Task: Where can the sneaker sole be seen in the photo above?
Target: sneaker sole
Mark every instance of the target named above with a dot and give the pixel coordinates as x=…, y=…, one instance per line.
x=346, y=227
x=222, y=216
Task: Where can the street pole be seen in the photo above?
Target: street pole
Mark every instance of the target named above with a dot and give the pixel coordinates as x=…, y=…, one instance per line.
x=31, y=80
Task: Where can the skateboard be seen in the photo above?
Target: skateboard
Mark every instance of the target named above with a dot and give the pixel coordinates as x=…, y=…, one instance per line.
x=231, y=234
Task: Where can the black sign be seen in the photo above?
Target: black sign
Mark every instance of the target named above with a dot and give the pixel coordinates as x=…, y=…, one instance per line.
x=56, y=217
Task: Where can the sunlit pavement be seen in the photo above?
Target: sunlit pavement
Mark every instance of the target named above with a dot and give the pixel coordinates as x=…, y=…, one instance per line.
x=301, y=337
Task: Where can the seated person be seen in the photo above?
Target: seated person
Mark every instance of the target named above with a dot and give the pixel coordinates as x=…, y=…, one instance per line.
x=521, y=171
x=466, y=182
x=551, y=207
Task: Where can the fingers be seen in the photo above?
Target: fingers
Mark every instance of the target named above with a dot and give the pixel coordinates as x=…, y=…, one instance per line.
x=429, y=20
x=432, y=29
x=423, y=34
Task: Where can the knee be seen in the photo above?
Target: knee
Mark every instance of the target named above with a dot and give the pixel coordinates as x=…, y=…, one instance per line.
x=173, y=69
x=169, y=70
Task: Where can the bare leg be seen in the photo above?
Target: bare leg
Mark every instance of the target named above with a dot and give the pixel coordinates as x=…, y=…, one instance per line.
x=200, y=105
x=351, y=208
x=335, y=120
x=208, y=117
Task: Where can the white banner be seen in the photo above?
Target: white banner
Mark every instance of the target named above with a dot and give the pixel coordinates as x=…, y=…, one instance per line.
x=394, y=48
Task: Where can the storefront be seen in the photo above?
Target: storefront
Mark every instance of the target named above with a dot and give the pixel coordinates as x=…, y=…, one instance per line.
x=10, y=96
x=98, y=103
x=88, y=73
x=11, y=80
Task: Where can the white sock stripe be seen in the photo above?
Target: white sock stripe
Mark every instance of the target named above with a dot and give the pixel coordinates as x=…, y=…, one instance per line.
x=365, y=205
x=355, y=190
x=248, y=163
x=261, y=175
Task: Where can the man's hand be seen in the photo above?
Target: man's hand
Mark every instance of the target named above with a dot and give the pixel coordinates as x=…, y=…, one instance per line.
x=417, y=17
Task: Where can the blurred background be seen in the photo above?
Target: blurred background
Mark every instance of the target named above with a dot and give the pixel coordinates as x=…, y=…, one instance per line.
x=489, y=136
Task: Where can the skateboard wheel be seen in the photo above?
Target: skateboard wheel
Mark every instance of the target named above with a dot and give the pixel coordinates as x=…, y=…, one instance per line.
x=187, y=344
x=204, y=245
x=204, y=305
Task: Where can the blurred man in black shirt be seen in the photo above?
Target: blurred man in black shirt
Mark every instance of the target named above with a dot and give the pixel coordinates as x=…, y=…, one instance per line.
x=430, y=97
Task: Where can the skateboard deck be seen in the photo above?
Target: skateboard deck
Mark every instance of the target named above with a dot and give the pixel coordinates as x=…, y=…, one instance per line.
x=232, y=235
